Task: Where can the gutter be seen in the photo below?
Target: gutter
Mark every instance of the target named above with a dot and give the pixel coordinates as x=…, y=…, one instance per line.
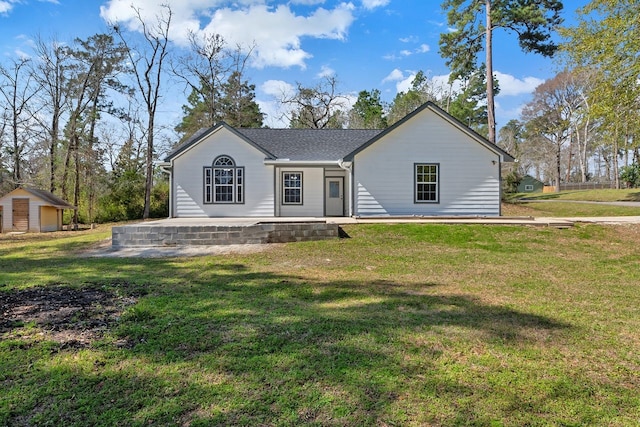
x=287, y=162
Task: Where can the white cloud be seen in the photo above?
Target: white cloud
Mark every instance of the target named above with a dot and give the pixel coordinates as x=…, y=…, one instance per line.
x=512, y=86
x=409, y=39
x=404, y=81
x=5, y=6
x=277, y=31
x=372, y=4
x=394, y=76
x=423, y=48
x=326, y=71
x=405, y=84
x=22, y=54
x=307, y=2
x=278, y=88
x=276, y=114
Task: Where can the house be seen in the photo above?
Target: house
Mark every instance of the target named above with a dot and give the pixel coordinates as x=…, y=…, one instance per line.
x=529, y=184
x=30, y=209
x=428, y=164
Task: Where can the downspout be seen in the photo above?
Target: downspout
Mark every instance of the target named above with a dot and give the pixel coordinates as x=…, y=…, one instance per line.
x=168, y=169
x=348, y=167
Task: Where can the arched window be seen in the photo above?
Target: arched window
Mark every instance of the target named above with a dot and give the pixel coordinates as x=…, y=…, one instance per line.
x=224, y=181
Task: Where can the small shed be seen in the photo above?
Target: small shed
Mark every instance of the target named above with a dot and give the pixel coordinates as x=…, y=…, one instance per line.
x=530, y=185
x=31, y=210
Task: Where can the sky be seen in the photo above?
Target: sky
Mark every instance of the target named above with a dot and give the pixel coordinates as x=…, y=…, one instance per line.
x=364, y=44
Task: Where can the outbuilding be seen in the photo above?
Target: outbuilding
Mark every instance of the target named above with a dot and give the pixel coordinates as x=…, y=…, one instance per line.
x=530, y=185
x=31, y=210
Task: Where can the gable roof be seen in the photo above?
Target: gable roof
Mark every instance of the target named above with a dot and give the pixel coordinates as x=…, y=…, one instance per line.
x=446, y=116
x=204, y=133
x=49, y=198
x=324, y=144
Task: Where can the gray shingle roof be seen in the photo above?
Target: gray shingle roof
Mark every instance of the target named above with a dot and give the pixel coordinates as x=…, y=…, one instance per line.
x=49, y=198
x=309, y=144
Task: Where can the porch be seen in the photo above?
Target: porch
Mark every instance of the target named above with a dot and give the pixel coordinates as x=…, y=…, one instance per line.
x=223, y=231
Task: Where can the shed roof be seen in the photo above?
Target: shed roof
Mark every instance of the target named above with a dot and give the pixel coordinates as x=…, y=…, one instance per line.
x=49, y=198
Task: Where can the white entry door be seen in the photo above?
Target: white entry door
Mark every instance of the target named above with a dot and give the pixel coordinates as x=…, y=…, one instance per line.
x=334, y=196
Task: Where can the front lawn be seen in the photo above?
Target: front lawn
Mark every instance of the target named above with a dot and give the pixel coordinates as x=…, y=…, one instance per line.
x=560, y=204
x=397, y=325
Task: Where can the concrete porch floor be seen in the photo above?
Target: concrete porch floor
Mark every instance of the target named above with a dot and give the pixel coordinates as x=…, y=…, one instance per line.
x=247, y=221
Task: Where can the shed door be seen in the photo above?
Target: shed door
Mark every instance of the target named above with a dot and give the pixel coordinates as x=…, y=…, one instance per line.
x=21, y=214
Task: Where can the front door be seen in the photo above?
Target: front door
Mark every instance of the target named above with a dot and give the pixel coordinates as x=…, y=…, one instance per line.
x=334, y=196
x=21, y=214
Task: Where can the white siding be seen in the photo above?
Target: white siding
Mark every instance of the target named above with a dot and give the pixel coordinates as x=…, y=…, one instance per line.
x=312, y=193
x=188, y=185
x=469, y=172
x=6, y=214
x=34, y=214
x=34, y=210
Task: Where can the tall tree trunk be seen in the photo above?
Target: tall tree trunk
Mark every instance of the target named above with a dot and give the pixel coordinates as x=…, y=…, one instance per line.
x=90, y=181
x=65, y=171
x=616, y=174
x=55, y=124
x=570, y=151
x=558, y=164
x=76, y=187
x=491, y=115
x=149, y=169
x=17, y=174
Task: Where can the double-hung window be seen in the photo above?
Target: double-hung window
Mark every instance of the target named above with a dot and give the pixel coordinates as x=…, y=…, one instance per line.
x=427, y=183
x=292, y=188
x=224, y=182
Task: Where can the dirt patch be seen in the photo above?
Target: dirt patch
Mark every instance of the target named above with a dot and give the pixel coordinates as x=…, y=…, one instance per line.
x=70, y=316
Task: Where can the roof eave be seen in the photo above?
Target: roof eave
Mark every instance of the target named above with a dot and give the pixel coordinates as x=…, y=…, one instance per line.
x=287, y=162
x=182, y=149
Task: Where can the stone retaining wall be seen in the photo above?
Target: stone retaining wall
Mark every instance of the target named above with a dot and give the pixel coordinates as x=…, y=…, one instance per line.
x=150, y=235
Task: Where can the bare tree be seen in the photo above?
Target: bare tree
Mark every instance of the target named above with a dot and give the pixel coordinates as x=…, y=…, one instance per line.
x=213, y=74
x=51, y=73
x=17, y=88
x=148, y=63
x=550, y=114
x=317, y=107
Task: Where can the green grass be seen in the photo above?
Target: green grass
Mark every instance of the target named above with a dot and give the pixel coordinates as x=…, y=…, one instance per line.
x=623, y=195
x=397, y=325
x=559, y=204
x=568, y=210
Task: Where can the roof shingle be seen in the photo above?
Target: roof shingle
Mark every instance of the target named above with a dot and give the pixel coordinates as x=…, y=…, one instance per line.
x=309, y=144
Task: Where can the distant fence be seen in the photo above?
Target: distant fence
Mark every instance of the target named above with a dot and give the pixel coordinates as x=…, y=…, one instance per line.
x=572, y=186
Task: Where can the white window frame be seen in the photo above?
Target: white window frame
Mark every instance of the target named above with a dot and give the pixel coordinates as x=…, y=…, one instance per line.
x=225, y=167
x=418, y=184
x=286, y=188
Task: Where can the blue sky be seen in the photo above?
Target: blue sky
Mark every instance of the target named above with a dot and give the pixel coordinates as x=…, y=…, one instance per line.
x=366, y=44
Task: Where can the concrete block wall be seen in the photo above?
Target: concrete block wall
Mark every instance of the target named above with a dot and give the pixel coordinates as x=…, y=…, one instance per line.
x=133, y=235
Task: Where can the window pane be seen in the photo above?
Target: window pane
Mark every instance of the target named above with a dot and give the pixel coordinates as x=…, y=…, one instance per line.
x=334, y=189
x=223, y=161
x=426, y=183
x=292, y=188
